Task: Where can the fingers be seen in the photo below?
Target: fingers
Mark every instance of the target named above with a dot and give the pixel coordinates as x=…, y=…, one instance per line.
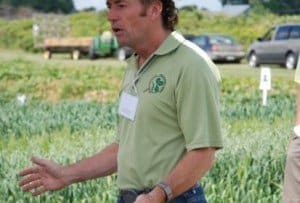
x=39, y=191
x=39, y=161
x=32, y=178
x=143, y=198
x=33, y=185
x=29, y=179
x=29, y=171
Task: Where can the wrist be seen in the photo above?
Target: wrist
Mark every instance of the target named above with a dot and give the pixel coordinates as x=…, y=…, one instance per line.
x=68, y=177
x=158, y=195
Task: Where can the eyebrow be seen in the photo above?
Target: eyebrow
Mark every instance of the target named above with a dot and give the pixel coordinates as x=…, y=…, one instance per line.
x=115, y=1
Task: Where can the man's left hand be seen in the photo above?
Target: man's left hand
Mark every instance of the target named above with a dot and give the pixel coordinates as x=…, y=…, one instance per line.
x=144, y=198
x=157, y=195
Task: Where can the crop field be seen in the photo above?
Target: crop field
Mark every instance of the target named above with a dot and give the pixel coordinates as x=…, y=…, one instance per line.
x=70, y=113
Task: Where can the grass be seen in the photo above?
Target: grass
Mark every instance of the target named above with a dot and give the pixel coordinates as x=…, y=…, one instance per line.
x=243, y=70
x=61, y=60
x=59, y=79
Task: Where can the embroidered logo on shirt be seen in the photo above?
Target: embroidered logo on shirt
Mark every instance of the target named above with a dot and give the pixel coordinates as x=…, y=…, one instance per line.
x=157, y=84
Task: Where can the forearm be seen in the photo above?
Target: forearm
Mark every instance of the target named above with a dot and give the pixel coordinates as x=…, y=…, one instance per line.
x=297, y=119
x=188, y=171
x=99, y=165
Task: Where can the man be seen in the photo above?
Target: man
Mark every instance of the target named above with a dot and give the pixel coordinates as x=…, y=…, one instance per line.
x=169, y=119
x=291, y=186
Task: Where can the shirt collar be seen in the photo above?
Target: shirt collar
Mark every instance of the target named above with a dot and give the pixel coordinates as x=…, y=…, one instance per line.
x=170, y=43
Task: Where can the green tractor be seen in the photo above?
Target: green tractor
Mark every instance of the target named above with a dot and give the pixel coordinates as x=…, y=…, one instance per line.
x=105, y=45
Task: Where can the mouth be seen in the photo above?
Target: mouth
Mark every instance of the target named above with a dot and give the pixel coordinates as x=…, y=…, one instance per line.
x=117, y=30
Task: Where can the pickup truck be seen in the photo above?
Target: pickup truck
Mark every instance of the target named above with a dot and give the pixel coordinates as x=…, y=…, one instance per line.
x=279, y=45
x=99, y=46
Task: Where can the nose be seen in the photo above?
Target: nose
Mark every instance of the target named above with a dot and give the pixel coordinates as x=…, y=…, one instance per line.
x=112, y=15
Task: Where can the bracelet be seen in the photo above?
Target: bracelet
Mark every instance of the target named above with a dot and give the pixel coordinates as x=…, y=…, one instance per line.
x=167, y=190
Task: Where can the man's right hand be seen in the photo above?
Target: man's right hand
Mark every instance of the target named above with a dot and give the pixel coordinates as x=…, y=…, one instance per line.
x=46, y=176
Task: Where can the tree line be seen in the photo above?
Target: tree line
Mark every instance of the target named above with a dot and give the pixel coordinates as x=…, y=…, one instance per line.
x=67, y=6
x=281, y=7
x=47, y=6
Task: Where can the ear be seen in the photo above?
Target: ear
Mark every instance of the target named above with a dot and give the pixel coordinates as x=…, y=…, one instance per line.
x=156, y=9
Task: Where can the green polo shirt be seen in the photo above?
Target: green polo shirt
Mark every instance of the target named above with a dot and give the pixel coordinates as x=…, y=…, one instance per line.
x=178, y=111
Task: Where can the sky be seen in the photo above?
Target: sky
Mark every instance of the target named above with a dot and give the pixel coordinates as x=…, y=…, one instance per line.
x=213, y=5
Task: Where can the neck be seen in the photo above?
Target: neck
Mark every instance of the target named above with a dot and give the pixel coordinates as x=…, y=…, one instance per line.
x=149, y=46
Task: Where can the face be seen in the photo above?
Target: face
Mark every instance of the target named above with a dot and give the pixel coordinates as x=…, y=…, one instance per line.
x=127, y=23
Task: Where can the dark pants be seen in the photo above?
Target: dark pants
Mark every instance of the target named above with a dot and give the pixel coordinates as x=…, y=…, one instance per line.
x=193, y=195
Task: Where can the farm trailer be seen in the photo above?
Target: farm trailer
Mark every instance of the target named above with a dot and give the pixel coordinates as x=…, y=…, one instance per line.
x=92, y=47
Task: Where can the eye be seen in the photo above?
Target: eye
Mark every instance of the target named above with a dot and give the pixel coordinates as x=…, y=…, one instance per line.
x=121, y=5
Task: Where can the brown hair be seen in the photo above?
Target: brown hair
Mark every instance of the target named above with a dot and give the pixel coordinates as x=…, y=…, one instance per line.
x=169, y=13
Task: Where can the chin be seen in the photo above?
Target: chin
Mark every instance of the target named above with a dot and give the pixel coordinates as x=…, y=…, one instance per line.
x=123, y=43
x=120, y=41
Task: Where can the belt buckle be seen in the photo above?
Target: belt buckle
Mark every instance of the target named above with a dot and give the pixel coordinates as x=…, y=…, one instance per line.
x=129, y=196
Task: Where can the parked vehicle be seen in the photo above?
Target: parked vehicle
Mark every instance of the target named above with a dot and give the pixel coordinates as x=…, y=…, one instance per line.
x=219, y=47
x=279, y=45
x=100, y=46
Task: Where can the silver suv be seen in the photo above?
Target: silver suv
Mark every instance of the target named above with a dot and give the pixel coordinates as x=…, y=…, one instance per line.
x=279, y=45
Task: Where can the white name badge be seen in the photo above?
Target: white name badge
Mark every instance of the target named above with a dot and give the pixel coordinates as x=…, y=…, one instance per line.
x=128, y=105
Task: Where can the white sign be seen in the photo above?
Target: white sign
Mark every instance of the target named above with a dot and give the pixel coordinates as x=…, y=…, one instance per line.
x=265, y=83
x=35, y=29
x=21, y=99
x=265, y=79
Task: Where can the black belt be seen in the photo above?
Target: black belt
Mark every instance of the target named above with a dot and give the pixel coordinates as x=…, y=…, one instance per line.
x=130, y=195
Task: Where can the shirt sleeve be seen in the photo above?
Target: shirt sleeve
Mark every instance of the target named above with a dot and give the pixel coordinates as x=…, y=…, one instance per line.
x=198, y=106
